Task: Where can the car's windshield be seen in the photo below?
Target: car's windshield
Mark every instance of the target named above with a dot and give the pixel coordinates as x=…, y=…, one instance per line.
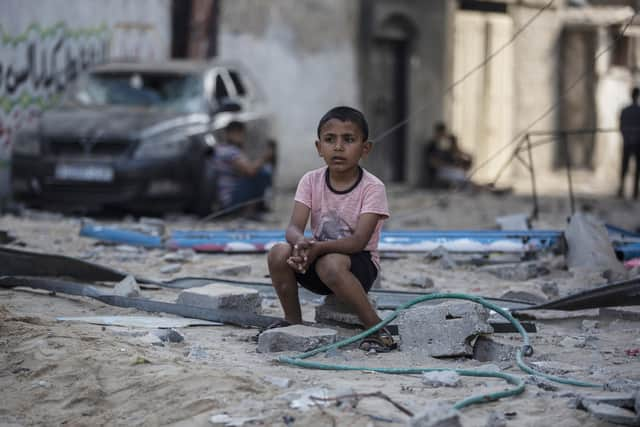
x=175, y=92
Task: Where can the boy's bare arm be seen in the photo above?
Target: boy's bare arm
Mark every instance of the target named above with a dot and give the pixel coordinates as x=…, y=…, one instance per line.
x=297, y=223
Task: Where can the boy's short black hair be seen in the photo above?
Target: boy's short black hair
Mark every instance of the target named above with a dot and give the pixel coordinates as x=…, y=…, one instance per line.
x=235, y=126
x=346, y=114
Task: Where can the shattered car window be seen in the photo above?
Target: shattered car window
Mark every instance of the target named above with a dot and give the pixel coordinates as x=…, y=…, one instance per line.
x=174, y=92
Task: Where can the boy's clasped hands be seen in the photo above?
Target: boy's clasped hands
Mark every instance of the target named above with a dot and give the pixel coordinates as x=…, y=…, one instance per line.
x=302, y=255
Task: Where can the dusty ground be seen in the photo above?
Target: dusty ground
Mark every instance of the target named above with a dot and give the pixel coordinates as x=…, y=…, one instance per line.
x=63, y=373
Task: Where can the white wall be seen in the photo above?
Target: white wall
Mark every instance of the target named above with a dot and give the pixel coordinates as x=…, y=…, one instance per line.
x=67, y=36
x=303, y=54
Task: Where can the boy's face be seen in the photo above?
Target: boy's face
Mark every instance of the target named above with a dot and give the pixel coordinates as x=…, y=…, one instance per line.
x=342, y=145
x=235, y=137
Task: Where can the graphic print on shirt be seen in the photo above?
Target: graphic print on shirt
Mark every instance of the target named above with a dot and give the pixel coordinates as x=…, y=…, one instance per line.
x=332, y=227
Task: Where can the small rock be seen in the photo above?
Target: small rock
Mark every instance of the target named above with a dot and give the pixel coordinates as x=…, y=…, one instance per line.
x=181, y=256
x=550, y=289
x=294, y=338
x=496, y=420
x=280, y=382
x=128, y=287
x=231, y=270
x=441, y=379
x=168, y=335
x=171, y=269
x=418, y=281
x=439, y=415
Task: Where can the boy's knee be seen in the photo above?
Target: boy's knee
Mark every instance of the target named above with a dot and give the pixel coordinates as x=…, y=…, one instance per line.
x=279, y=254
x=331, y=267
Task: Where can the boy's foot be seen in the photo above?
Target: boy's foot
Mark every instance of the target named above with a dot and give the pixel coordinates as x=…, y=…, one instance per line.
x=381, y=341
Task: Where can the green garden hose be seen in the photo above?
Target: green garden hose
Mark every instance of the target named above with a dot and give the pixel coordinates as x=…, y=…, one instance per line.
x=525, y=350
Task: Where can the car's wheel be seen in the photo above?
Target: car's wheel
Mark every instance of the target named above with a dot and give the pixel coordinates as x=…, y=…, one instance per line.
x=206, y=185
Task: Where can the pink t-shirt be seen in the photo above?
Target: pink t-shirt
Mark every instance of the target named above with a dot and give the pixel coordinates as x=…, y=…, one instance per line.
x=334, y=215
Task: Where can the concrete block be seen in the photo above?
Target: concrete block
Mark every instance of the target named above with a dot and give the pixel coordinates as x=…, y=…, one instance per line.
x=442, y=330
x=335, y=312
x=611, y=414
x=486, y=349
x=294, y=338
x=128, y=287
x=171, y=268
x=219, y=295
x=620, y=399
x=440, y=415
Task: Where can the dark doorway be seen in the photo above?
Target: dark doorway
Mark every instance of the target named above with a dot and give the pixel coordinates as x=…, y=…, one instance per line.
x=390, y=61
x=180, y=27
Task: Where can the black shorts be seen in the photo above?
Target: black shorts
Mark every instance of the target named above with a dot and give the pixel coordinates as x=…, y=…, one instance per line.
x=361, y=266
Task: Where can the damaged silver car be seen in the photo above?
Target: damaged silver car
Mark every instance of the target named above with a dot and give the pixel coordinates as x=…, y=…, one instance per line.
x=137, y=135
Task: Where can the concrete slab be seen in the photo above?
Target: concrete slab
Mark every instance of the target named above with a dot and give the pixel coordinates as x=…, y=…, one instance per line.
x=442, y=330
x=220, y=295
x=335, y=312
x=294, y=338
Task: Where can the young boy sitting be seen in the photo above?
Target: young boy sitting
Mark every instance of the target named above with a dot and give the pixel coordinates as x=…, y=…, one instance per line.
x=347, y=206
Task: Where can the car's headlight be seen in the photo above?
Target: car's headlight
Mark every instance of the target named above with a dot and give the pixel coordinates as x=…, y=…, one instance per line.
x=26, y=144
x=161, y=146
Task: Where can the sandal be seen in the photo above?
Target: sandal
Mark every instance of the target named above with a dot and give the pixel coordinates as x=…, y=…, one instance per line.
x=381, y=342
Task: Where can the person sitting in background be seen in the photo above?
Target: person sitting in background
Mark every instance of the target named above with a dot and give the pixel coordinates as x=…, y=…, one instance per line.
x=242, y=182
x=446, y=163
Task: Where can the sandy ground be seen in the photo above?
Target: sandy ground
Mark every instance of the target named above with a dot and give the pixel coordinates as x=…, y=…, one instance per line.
x=64, y=373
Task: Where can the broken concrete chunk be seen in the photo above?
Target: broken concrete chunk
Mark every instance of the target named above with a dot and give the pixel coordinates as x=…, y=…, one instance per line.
x=612, y=414
x=181, y=256
x=487, y=349
x=496, y=420
x=590, y=247
x=442, y=330
x=440, y=415
x=231, y=270
x=441, y=379
x=621, y=399
x=219, y=295
x=128, y=287
x=280, y=382
x=294, y=338
x=517, y=272
x=168, y=335
x=418, y=280
x=550, y=289
x=171, y=268
x=335, y=312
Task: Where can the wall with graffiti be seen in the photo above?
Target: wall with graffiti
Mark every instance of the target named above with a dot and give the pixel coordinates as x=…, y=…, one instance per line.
x=45, y=44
